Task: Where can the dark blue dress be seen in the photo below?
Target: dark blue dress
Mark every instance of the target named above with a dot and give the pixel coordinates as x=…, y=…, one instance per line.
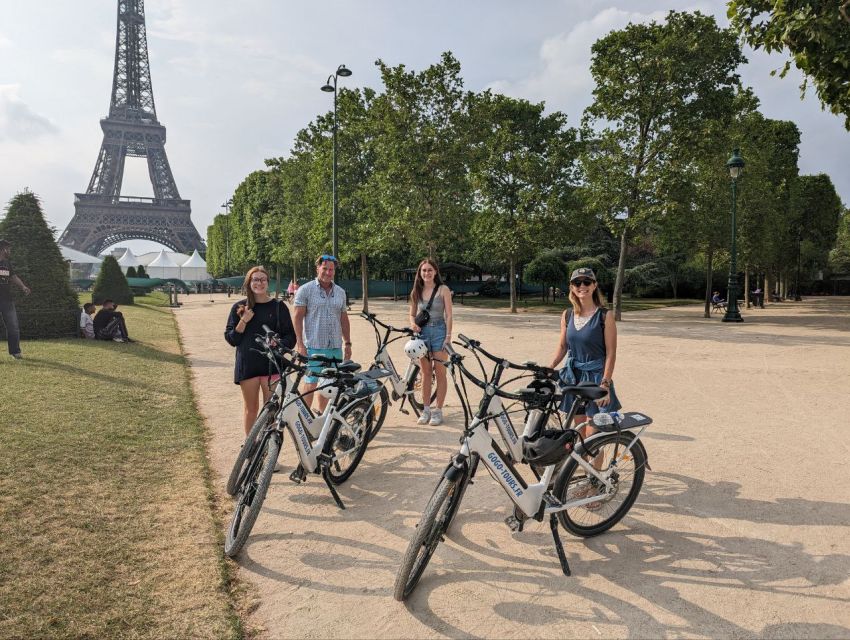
x=586, y=361
x=250, y=364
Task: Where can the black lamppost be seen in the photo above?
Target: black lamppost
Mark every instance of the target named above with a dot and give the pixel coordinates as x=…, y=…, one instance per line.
x=226, y=204
x=797, y=296
x=343, y=72
x=736, y=166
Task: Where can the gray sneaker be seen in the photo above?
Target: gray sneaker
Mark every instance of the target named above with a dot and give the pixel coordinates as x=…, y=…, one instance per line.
x=436, y=417
x=425, y=417
x=18, y=356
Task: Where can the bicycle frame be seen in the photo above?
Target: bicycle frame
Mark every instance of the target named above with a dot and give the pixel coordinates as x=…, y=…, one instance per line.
x=401, y=384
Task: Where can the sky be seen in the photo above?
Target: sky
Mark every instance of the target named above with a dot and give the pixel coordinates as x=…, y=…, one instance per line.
x=234, y=82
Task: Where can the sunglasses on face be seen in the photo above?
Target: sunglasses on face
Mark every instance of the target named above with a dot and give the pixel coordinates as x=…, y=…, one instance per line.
x=582, y=281
x=327, y=256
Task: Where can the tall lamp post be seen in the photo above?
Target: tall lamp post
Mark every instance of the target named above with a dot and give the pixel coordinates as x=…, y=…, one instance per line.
x=226, y=204
x=341, y=72
x=736, y=166
x=797, y=296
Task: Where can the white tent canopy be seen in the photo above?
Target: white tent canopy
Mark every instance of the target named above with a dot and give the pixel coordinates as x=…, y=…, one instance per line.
x=194, y=268
x=163, y=267
x=78, y=257
x=128, y=260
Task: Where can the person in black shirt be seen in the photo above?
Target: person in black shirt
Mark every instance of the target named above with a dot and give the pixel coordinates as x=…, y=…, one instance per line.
x=7, y=304
x=109, y=324
x=245, y=322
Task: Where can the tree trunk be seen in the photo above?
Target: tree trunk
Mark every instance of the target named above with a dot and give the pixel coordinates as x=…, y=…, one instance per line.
x=512, y=276
x=709, y=281
x=364, y=279
x=277, y=280
x=767, y=291
x=621, y=274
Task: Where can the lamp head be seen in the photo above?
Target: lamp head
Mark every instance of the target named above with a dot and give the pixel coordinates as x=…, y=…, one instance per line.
x=328, y=88
x=735, y=164
x=343, y=71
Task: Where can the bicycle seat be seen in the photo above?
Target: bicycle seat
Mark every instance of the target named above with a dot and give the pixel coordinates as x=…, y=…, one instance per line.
x=376, y=374
x=586, y=390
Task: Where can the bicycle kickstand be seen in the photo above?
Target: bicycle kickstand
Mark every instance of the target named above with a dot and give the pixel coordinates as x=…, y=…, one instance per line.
x=327, y=479
x=553, y=523
x=401, y=406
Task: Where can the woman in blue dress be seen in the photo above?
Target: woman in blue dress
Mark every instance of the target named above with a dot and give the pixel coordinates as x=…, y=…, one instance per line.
x=589, y=340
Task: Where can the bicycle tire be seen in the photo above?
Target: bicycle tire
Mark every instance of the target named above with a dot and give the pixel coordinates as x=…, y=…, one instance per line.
x=379, y=411
x=251, y=497
x=349, y=440
x=429, y=534
x=586, y=522
x=415, y=398
x=252, y=440
x=457, y=497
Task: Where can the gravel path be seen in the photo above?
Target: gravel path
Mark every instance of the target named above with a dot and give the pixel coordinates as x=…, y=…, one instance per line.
x=741, y=529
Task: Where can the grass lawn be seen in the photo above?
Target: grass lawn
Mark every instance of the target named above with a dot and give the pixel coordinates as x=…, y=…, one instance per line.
x=536, y=304
x=105, y=503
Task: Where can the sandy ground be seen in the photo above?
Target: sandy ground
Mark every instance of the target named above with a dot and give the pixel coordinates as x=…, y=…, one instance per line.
x=741, y=530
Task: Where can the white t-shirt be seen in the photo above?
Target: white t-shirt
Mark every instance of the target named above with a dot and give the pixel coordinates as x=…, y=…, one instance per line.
x=87, y=325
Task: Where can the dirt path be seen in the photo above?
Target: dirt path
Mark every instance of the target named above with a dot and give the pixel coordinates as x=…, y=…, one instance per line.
x=741, y=530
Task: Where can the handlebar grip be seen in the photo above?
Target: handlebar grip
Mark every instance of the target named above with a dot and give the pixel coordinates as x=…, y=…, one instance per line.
x=466, y=341
x=267, y=330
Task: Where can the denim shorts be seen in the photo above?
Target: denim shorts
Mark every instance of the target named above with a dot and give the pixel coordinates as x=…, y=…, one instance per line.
x=315, y=368
x=434, y=335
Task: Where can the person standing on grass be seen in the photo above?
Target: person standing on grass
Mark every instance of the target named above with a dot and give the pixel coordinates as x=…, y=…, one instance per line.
x=431, y=298
x=7, y=304
x=245, y=322
x=589, y=340
x=321, y=321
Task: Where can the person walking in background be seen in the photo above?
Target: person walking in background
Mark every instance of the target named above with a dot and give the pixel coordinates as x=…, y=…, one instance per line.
x=431, y=316
x=589, y=340
x=7, y=305
x=321, y=321
x=244, y=324
x=86, y=322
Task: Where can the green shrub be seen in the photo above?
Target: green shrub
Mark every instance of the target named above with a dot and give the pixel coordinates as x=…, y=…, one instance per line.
x=51, y=310
x=131, y=272
x=141, y=273
x=111, y=284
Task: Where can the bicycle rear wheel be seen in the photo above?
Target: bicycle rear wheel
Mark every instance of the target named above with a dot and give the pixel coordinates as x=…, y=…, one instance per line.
x=347, y=440
x=573, y=483
x=416, y=398
x=252, y=494
x=252, y=441
x=379, y=411
x=429, y=533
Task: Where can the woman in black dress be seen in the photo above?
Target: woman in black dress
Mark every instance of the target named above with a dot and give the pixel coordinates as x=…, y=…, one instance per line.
x=246, y=321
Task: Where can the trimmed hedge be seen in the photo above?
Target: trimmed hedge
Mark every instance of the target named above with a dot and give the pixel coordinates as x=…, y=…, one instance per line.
x=111, y=284
x=52, y=309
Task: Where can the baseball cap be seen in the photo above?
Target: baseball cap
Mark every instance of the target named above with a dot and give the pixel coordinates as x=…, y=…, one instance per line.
x=583, y=272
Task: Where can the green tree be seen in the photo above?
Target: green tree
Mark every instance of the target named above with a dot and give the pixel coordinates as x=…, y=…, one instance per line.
x=131, y=272
x=51, y=309
x=546, y=269
x=655, y=85
x=816, y=215
x=816, y=34
x=522, y=173
x=141, y=273
x=111, y=284
x=839, y=257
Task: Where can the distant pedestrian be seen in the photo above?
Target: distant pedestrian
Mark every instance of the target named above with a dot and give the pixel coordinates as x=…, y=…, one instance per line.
x=86, y=321
x=245, y=323
x=431, y=316
x=7, y=304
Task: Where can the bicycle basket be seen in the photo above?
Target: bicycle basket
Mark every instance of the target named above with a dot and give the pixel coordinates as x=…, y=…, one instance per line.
x=550, y=447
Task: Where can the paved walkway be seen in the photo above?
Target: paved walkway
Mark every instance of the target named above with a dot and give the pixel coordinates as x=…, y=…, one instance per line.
x=741, y=530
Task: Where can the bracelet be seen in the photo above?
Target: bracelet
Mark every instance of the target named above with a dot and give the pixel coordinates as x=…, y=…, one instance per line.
x=347, y=344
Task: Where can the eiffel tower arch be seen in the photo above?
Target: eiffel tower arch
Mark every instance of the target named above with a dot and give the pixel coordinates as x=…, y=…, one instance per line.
x=102, y=216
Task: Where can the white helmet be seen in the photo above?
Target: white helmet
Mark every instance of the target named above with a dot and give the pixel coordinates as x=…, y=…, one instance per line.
x=325, y=388
x=416, y=348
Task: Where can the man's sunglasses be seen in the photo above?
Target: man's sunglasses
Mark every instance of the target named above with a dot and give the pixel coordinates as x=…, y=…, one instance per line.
x=582, y=281
x=327, y=256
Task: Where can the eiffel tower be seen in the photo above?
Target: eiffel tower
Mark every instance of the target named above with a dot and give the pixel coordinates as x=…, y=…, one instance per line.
x=102, y=217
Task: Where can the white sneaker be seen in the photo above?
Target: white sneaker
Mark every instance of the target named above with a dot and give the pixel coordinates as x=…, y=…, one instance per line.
x=436, y=417
x=425, y=417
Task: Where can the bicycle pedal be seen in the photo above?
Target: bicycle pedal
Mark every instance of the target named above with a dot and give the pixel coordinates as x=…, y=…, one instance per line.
x=404, y=411
x=298, y=476
x=514, y=523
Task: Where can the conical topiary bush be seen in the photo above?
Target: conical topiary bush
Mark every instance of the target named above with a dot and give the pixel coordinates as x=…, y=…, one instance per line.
x=52, y=309
x=131, y=272
x=141, y=273
x=111, y=284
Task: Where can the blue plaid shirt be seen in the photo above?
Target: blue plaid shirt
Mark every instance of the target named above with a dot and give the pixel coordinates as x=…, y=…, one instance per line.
x=322, y=327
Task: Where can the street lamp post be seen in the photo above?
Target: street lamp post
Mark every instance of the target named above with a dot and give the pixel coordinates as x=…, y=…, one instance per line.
x=341, y=72
x=736, y=166
x=797, y=296
x=226, y=204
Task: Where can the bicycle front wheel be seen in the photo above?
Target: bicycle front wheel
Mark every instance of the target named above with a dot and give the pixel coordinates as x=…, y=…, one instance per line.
x=348, y=440
x=429, y=533
x=251, y=497
x=379, y=411
x=252, y=441
x=573, y=483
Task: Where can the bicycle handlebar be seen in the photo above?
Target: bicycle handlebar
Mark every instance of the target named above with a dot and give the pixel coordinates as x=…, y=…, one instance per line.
x=475, y=345
x=373, y=319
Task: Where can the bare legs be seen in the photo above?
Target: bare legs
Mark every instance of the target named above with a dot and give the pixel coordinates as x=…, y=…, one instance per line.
x=251, y=389
x=440, y=373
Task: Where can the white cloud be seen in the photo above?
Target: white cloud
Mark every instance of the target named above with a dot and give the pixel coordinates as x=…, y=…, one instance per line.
x=18, y=121
x=4, y=41
x=563, y=79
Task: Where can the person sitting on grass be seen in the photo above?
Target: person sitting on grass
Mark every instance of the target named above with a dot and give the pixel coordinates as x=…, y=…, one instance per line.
x=109, y=324
x=86, y=322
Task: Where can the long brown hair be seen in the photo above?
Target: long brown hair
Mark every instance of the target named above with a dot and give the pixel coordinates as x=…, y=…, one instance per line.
x=246, y=285
x=597, y=299
x=419, y=283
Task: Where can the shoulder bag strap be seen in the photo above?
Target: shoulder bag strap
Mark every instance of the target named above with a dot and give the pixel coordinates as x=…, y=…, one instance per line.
x=431, y=301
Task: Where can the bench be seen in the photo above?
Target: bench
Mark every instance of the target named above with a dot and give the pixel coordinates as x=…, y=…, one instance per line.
x=719, y=306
